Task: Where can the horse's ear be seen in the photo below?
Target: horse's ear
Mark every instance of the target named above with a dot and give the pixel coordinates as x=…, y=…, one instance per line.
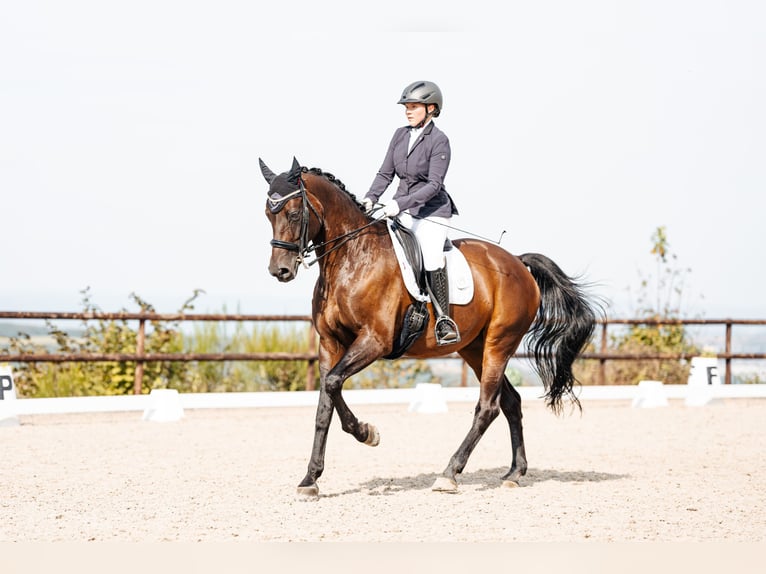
x=267, y=173
x=295, y=171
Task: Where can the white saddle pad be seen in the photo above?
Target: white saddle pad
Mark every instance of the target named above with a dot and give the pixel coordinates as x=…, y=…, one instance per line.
x=458, y=271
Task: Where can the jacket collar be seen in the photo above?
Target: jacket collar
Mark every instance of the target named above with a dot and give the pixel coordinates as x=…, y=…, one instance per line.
x=427, y=129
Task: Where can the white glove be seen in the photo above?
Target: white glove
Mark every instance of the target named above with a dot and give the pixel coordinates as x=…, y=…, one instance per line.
x=367, y=204
x=390, y=209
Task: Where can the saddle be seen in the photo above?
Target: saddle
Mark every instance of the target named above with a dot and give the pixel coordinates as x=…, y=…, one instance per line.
x=416, y=316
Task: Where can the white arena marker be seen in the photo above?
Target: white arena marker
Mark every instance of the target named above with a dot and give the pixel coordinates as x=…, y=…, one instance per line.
x=429, y=398
x=702, y=381
x=7, y=397
x=650, y=394
x=164, y=406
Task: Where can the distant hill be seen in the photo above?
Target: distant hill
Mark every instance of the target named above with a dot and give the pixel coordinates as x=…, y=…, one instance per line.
x=33, y=329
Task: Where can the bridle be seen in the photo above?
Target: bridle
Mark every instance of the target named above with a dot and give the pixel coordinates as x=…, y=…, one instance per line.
x=302, y=246
x=305, y=246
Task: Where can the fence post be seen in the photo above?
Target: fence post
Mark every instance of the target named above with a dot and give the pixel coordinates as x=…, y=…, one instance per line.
x=602, y=361
x=727, y=380
x=138, y=381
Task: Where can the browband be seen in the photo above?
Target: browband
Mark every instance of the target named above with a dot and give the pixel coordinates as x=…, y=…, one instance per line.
x=277, y=202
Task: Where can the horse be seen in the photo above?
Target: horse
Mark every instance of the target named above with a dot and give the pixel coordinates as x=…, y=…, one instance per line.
x=360, y=300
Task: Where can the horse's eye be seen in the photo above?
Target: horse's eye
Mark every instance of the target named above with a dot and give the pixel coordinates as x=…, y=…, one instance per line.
x=294, y=215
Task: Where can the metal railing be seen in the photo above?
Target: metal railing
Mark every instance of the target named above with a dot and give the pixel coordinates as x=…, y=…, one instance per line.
x=141, y=357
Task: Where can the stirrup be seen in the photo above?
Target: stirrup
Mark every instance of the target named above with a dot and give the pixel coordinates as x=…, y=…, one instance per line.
x=452, y=336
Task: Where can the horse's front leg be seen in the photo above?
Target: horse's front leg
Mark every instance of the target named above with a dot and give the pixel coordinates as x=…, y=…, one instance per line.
x=308, y=486
x=362, y=353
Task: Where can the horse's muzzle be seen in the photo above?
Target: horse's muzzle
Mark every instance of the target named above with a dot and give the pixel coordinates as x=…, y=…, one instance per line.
x=282, y=273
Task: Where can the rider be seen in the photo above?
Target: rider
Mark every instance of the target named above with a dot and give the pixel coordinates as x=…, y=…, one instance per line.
x=419, y=155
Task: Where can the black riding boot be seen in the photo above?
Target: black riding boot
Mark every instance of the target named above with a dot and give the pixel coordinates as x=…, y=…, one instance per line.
x=446, y=330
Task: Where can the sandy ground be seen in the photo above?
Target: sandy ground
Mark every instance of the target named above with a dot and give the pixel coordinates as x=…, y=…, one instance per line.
x=616, y=473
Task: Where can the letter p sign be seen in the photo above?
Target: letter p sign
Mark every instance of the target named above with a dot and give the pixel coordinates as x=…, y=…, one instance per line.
x=6, y=385
x=7, y=397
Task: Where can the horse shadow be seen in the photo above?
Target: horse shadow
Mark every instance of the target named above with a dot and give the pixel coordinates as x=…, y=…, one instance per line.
x=485, y=479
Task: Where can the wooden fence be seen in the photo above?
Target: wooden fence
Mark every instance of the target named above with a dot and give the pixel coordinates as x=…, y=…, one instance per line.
x=140, y=357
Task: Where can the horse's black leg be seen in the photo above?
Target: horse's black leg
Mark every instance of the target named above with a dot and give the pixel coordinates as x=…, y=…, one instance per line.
x=358, y=356
x=331, y=382
x=487, y=409
x=308, y=485
x=510, y=403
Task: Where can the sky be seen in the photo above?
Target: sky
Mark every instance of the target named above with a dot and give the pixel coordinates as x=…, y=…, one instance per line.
x=130, y=134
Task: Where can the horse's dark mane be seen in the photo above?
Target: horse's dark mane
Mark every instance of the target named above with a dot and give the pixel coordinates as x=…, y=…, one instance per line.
x=332, y=179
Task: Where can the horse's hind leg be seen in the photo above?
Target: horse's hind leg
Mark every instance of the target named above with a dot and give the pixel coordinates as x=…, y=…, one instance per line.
x=486, y=411
x=510, y=403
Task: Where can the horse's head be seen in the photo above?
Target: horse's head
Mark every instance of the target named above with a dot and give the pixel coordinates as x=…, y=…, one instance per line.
x=287, y=208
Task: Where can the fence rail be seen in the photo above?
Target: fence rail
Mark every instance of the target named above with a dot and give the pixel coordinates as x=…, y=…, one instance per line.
x=140, y=357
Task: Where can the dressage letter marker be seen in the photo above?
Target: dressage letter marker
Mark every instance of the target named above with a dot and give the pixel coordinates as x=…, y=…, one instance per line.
x=6, y=384
x=429, y=398
x=650, y=394
x=7, y=397
x=703, y=378
x=164, y=406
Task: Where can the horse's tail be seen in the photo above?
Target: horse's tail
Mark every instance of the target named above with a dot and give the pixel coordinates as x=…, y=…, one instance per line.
x=564, y=324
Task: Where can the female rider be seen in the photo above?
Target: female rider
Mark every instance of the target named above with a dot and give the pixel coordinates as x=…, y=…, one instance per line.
x=419, y=155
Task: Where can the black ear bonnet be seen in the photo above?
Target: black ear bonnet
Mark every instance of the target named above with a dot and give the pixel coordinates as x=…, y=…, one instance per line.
x=282, y=187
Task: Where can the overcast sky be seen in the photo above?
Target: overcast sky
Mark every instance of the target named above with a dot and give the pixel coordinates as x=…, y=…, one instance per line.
x=130, y=134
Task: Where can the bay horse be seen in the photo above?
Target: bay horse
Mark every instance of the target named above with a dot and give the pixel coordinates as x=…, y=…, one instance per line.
x=360, y=301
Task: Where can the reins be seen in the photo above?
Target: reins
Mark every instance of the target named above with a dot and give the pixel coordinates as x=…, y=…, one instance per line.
x=346, y=236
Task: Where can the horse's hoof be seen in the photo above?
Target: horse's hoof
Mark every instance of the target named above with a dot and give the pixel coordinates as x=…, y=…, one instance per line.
x=373, y=436
x=510, y=484
x=444, y=484
x=312, y=490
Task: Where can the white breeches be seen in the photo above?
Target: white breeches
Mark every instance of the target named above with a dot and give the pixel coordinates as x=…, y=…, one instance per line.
x=431, y=233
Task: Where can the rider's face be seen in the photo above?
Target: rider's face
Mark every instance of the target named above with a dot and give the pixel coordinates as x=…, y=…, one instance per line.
x=415, y=113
